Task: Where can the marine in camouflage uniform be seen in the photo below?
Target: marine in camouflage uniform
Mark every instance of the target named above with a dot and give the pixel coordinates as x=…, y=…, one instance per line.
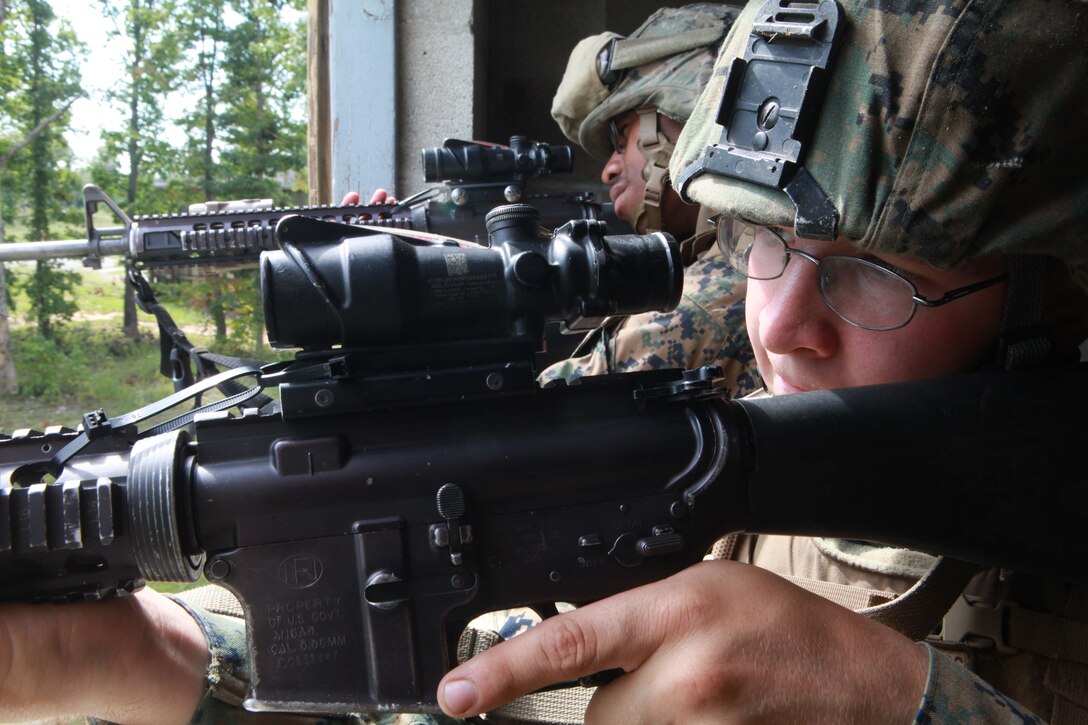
x=966, y=136
x=658, y=69
x=950, y=130
x=664, y=76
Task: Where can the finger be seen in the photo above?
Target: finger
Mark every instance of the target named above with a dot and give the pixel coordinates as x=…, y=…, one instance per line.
x=350, y=199
x=380, y=196
x=648, y=694
x=615, y=632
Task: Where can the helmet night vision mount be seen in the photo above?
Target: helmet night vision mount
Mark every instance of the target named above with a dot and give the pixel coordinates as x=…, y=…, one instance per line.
x=769, y=108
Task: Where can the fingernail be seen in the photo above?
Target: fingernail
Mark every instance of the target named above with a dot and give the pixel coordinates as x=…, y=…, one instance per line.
x=459, y=696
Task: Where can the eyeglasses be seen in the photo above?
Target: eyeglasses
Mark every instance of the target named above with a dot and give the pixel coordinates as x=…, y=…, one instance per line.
x=865, y=293
x=617, y=136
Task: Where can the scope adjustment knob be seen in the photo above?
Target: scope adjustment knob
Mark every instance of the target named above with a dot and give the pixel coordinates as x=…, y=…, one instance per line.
x=531, y=269
x=520, y=215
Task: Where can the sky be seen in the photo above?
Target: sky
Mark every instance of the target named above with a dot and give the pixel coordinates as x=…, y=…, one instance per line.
x=102, y=66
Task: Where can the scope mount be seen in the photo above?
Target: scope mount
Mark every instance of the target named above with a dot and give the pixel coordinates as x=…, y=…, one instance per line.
x=361, y=379
x=505, y=184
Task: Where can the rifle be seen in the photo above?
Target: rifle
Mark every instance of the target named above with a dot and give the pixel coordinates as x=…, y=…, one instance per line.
x=473, y=177
x=417, y=476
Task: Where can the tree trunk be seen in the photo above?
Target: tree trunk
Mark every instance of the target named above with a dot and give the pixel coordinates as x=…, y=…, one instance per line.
x=130, y=324
x=208, y=72
x=219, y=314
x=8, y=378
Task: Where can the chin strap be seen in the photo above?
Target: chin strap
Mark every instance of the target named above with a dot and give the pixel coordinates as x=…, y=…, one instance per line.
x=658, y=150
x=1025, y=339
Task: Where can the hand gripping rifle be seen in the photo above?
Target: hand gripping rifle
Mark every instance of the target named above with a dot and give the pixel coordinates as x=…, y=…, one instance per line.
x=417, y=476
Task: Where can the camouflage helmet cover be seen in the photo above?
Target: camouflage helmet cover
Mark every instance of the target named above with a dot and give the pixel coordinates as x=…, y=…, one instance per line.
x=950, y=129
x=663, y=64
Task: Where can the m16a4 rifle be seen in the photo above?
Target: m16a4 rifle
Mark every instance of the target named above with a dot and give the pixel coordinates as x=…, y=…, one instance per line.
x=472, y=177
x=416, y=475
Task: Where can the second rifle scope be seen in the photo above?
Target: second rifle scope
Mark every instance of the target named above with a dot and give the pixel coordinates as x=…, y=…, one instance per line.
x=478, y=162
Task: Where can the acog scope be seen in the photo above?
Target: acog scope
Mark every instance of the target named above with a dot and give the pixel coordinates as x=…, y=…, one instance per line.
x=333, y=285
x=480, y=162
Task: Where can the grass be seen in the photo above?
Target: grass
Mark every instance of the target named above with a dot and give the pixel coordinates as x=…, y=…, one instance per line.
x=96, y=366
x=16, y=230
x=175, y=588
x=117, y=384
x=120, y=374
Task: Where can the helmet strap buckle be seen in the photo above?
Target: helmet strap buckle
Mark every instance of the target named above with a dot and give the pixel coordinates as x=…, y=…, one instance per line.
x=657, y=150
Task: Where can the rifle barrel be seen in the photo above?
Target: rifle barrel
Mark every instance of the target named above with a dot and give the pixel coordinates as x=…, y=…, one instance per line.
x=61, y=248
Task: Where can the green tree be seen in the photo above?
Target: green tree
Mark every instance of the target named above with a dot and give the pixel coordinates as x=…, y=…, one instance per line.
x=203, y=22
x=41, y=75
x=246, y=135
x=8, y=377
x=264, y=133
x=151, y=66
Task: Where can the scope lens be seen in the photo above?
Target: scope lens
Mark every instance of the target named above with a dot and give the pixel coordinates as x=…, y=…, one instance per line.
x=560, y=160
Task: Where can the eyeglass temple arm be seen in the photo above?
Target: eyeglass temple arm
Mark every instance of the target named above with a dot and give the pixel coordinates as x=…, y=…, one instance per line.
x=955, y=294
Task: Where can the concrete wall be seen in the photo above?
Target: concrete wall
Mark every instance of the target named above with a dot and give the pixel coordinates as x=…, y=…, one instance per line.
x=437, y=73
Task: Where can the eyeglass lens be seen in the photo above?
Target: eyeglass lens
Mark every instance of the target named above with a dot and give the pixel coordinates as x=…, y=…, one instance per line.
x=859, y=291
x=614, y=136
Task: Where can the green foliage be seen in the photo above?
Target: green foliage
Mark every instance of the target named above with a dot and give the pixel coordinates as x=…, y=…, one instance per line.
x=185, y=46
x=51, y=368
x=85, y=369
x=39, y=75
x=40, y=80
x=237, y=67
x=95, y=366
x=231, y=297
x=14, y=43
x=49, y=291
x=150, y=74
x=51, y=74
x=264, y=138
x=203, y=22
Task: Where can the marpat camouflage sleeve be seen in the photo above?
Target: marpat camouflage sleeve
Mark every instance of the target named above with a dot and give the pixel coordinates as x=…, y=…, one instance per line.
x=955, y=696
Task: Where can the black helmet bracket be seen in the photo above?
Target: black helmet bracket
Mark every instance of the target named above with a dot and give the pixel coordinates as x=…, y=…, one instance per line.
x=769, y=108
